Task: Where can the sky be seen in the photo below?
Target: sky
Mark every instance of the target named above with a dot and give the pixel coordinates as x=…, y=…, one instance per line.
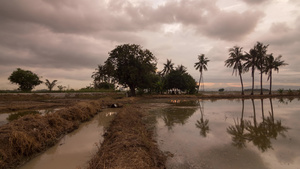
x=65, y=40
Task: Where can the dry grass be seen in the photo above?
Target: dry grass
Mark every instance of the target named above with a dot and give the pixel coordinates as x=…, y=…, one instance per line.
x=31, y=134
x=128, y=144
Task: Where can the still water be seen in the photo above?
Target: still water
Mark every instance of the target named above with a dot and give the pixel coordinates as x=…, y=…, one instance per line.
x=76, y=148
x=230, y=134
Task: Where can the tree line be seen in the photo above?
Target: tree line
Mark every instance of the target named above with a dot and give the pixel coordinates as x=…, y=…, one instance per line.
x=132, y=66
x=256, y=59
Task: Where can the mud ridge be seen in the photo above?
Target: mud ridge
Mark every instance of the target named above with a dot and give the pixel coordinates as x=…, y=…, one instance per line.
x=128, y=144
x=23, y=138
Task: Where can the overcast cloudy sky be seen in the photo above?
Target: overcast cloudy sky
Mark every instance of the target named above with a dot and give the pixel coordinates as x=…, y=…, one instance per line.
x=66, y=39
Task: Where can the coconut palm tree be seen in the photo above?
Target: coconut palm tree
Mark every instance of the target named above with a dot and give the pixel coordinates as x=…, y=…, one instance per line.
x=261, y=51
x=273, y=64
x=235, y=61
x=201, y=65
x=182, y=69
x=50, y=85
x=168, y=67
x=251, y=62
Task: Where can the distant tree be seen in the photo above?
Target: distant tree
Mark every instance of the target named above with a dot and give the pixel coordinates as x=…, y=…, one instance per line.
x=201, y=65
x=261, y=51
x=131, y=65
x=25, y=79
x=272, y=64
x=221, y=90
x=60, y=87
x=50, y=85
x=168, y=67
x=251, y=62
x=235, y=61
x=103, y=75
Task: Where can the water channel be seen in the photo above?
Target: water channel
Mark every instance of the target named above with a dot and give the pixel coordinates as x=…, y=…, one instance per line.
x=76, y=148
x=230, y=134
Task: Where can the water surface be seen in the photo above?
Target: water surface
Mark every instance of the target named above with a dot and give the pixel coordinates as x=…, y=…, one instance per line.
x=231, y=134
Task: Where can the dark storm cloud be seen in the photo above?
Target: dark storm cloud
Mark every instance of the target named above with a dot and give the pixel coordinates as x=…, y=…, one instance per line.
x=75, y=34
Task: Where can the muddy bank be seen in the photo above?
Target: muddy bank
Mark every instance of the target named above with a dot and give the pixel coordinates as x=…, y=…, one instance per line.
x=128, y=144
x=23, y=138
x=34, y=101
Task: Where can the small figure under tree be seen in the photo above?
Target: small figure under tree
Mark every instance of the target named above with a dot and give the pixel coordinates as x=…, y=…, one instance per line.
x=25, y=79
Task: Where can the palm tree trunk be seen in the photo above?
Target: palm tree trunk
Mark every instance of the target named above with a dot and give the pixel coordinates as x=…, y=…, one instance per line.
x=270, y=92
x=252, y=79
x=241, y=82
x=261, y=92
x=199, y=81
x=202, y=82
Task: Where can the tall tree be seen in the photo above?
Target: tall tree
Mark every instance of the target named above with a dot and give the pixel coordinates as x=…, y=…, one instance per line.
x=261, y=51
x=201, y=65
x=251, y=62
x=132, y=65
x=235, y=59
x=168, y=67
x=50, y=85
x=273, y=64
x=26, y=79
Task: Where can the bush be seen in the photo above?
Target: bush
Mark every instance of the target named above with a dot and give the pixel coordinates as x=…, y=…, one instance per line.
x=280, y=91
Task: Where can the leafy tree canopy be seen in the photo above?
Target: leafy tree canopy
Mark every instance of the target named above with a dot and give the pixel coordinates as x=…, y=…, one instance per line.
x=180, y=80
x=132, y=66
x=25, y=79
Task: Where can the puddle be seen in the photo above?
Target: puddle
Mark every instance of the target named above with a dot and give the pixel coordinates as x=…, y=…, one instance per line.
x=76, y=148
x=3, y=118
x=231, y=134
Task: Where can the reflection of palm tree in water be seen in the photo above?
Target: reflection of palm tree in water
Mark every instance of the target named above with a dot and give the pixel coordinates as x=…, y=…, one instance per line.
x=274, y=127
x=202, y=124
x=237, y=131
x=259, y=134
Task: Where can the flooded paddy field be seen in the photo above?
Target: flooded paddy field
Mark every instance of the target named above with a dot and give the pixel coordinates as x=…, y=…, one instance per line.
x=229, y=134
x=194, y=133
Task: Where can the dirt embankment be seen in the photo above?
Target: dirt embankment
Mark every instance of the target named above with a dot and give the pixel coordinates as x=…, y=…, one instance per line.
x=32, y=134
x=128, y=144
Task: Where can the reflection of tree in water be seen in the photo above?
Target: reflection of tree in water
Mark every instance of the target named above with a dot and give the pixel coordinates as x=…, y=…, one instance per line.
x=202, y=124
x=237, y=131
x=286, y=100
x=259, y=134
x=172, y=116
